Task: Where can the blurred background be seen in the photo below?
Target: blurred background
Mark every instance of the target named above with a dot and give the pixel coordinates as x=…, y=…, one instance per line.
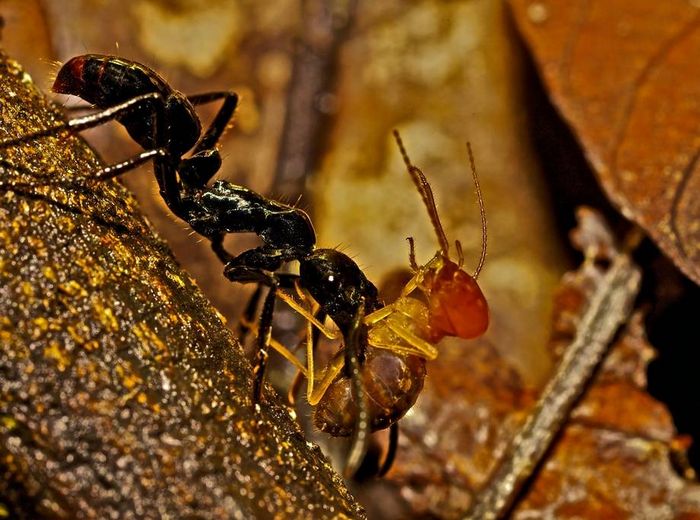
x=321, y=85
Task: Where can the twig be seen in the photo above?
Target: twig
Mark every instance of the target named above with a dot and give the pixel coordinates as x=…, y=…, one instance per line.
x=308, y=102
x=609, y=308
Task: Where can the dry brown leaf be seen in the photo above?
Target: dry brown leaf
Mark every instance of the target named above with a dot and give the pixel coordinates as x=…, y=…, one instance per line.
x=624, y=74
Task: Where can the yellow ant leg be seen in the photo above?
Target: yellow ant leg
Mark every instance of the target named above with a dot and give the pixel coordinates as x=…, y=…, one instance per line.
x=330, y=334
x=333, y=368
x=294, y=388
x=309, y=361
x=287, y=354
x=416, y=345
x=284, y=351
x=428, y=351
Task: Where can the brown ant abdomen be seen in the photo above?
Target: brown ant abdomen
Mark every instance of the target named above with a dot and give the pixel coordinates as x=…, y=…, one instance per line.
x=391, y=383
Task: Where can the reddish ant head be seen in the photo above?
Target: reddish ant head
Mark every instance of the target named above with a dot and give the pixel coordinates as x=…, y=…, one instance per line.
x=457, y=305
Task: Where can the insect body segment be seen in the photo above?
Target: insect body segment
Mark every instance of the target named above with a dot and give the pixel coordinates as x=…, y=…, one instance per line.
x=399, y=337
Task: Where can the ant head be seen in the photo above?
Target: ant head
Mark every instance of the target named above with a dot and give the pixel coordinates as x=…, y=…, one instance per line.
x=338, y=284
x=457, y=305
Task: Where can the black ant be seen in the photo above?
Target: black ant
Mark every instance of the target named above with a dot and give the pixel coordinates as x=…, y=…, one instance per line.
x=164, y=122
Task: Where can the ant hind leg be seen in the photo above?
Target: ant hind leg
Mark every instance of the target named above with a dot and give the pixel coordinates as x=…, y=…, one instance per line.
x=217, y=245
x=92, y=120
x=221, y=120
x=205, y=161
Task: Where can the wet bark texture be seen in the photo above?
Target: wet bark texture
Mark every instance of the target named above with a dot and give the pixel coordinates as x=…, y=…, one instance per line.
x=122, y=393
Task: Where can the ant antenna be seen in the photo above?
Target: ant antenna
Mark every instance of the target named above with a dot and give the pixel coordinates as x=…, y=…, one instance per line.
x=482, y=211
x=426, y=193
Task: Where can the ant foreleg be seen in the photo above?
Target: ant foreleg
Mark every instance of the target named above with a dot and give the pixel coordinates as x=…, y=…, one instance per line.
x=246, y=274
x=353, y=350
x=283, y=280
x=217, y=245
x=248, y=313
x=264, y=334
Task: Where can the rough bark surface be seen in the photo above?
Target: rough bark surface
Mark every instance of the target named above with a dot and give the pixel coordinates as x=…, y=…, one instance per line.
x=122, y=393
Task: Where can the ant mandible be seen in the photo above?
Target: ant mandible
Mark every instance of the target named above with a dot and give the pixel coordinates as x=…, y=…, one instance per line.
x=399, y=337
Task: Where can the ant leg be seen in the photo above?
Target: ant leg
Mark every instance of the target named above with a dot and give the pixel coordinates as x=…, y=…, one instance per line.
x=282, y=350
x=249, y=312
x=391, y=452
x=264, y=333
x=217, y=244
x=114, y=170
x=314, y=333
x=330, y=334
x=205, y=161
x=221, y=120
x=92, y=120
x=294, y=388
x=360, y=437
x=252, y=305
x=108, y=172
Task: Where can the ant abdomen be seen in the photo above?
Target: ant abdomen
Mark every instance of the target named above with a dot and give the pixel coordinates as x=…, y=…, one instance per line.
x=106, y=81
x=391, y=383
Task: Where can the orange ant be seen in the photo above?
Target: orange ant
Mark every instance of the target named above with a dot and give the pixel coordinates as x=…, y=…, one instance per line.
x=396, y=339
